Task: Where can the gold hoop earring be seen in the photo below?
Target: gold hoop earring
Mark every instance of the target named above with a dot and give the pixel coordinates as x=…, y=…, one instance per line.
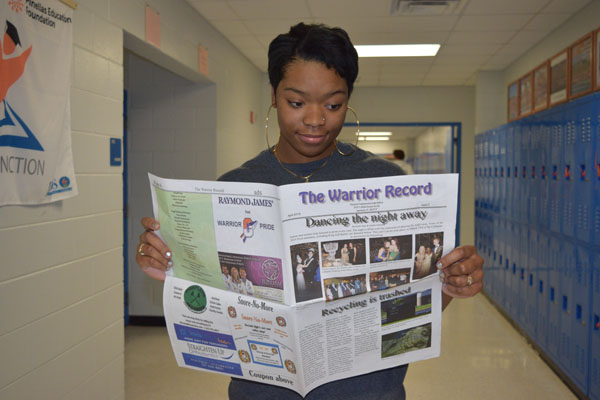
x=357, y=132
x=267, y=130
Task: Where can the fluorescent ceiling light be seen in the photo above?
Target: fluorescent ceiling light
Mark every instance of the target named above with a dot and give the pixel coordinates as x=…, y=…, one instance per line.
x=398, y=50
x=374, y=138
x=375, y=134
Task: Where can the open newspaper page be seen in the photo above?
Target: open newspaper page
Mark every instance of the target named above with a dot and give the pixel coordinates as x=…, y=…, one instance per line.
x=224, y=235
x=373, y=299
x=360, y=287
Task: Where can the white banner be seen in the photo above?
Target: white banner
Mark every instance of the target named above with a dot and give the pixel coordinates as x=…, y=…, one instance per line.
x=36, y=162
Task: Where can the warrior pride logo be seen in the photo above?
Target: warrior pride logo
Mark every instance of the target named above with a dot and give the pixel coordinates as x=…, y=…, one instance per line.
x=248, y=226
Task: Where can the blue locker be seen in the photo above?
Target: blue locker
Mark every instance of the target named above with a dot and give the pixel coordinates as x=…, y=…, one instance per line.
x=522, y=272
x=553, y=296
x=567, y=184
x=566, y=268
x=523, y=163
x=584, y=153
x=595, y=211
x=533, y=171
x=581, y=316
x=544, y=174
x=556, y=160
x=515, y=298
x=543, y=306
x=531, y=278
x=594, y=391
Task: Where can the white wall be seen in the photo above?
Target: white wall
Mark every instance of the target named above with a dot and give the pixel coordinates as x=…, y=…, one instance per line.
x=432, y=141
x=429, y=104
x=171, y=132
x=61, y=329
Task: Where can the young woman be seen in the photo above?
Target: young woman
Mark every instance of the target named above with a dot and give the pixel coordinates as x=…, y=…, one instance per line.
x=345, y=254
x=300, y=282
x=312, y=70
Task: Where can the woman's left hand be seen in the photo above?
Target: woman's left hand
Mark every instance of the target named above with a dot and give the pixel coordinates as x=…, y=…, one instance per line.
x=461, y=272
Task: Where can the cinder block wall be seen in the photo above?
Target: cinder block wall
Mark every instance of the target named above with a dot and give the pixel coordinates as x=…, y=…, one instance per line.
x=61, y=272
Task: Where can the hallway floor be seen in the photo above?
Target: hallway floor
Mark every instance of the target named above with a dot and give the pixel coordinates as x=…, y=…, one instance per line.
x=483, y=357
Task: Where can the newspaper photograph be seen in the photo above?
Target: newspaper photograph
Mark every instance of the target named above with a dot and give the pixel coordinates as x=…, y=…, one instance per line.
x=304, y=284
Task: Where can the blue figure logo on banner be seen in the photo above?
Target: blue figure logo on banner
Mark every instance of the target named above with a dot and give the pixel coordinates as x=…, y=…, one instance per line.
x=14, y=132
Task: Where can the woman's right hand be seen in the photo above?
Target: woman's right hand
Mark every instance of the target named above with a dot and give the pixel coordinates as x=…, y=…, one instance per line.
x=153, y=256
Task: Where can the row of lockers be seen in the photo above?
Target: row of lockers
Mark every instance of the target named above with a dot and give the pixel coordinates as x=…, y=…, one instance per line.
x=545, y=169
x=550, y=286
x=538, y=228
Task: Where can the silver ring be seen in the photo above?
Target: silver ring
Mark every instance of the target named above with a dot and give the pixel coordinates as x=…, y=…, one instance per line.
x=469, y=280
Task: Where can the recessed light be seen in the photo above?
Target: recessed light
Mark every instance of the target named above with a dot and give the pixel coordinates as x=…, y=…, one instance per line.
x=374, y=138
x=375, y=134
x=397, y=50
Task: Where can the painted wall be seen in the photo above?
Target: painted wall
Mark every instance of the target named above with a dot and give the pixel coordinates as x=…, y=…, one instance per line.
x=429, y=104
x=61, y=290
x=171, y=132
x=492, y=111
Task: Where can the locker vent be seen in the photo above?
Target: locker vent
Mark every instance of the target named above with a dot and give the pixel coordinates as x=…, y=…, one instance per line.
x=426, y=7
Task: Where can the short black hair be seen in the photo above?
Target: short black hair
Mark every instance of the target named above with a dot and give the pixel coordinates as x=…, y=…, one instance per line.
x=399, y=154
x=313, y=42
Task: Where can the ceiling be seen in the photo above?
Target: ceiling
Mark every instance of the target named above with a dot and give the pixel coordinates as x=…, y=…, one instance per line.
x=479, y=35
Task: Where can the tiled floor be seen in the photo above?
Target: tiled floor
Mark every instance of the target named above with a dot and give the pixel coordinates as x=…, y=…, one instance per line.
x=483, y=357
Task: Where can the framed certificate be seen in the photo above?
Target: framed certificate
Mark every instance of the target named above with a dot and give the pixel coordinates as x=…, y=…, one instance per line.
x=541, y=79
x=513, y=101
x=597, y=59
x=581, y=68
x=558, y=77
x=526, y=95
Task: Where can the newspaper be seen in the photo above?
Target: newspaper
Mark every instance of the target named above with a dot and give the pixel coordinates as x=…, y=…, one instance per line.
x=304, y=284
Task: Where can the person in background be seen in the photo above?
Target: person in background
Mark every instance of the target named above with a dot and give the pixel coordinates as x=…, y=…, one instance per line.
x=312, y=70
x=399, y=160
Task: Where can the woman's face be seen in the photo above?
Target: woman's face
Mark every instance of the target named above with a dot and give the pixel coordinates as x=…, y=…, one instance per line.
x=421, y=250
x=311, y=102
x=298, y=258
x=234, y=273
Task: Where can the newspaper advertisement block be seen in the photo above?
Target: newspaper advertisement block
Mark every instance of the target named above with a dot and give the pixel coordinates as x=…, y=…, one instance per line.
x=304, y=284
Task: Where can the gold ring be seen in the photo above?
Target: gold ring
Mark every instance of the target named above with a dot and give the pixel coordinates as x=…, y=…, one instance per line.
x=140, y=249
x=469, y=280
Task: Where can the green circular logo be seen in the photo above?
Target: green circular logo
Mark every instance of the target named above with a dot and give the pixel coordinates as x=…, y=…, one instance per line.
x=195, y=298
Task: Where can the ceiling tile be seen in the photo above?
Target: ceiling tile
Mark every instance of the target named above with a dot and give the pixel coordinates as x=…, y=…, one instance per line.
x=270, y=9
x=469, y=49
x=421, y=23
x=349, y=8
x=494, y=66
x=212, y=10
x=494, y=37
x=486, y=23
x=247, y=43
x=441, y=59
x=271, y=27
x=231, y=28
x=486, y=7
x=355, y=24
x=528, y=38
x=421, y=37
x=547, y=22
x=565, y=6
